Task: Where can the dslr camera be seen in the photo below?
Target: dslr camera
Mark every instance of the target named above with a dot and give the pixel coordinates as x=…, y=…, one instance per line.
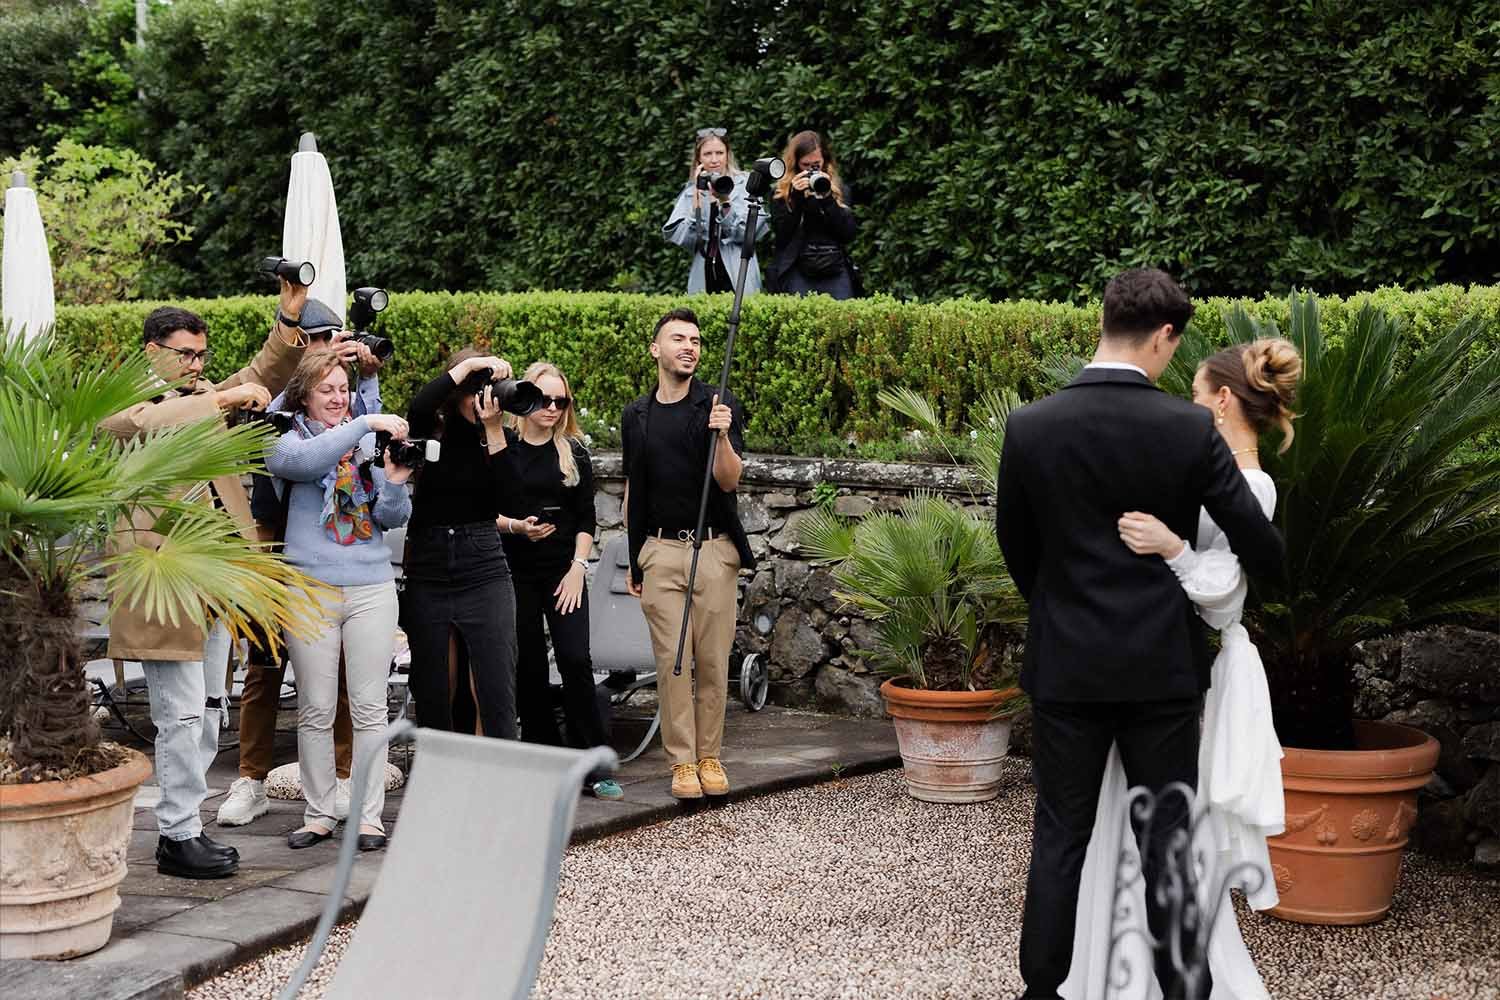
x=819, y=183
x=721, y=184
x=297, y=272
x=512, y=395
x=370, y=302
x=282, y=422
x=412, y=452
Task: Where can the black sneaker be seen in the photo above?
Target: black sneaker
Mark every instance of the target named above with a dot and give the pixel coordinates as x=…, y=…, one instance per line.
x=193, y=858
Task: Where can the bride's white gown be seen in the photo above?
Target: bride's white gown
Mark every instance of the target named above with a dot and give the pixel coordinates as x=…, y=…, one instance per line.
x=1239, y=779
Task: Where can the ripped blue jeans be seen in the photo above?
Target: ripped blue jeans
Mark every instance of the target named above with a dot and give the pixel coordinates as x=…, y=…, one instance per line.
x=187, y=707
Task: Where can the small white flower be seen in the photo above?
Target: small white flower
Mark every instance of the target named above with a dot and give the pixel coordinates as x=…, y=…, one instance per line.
x=588, y=439
x=973, y=435
x=613, y=429
x=916, y=434
x=583, y=410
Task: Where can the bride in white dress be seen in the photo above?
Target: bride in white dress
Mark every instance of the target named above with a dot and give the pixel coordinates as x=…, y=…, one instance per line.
x=1249, y=388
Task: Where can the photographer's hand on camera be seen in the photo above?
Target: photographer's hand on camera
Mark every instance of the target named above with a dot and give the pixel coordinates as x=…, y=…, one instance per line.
x=388, y=423
x=247, y=396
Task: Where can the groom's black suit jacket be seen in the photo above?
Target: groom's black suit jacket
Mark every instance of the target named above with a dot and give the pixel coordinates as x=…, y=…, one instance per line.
x=1106, y=624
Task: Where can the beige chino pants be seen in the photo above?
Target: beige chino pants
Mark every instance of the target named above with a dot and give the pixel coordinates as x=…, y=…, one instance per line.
x=692, y=705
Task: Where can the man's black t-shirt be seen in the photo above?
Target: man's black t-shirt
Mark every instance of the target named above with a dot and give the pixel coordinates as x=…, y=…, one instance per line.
x=675, y=453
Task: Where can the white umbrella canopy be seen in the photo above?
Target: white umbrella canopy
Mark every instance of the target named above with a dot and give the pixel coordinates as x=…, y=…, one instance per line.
x=26, y=302
x=311, y=230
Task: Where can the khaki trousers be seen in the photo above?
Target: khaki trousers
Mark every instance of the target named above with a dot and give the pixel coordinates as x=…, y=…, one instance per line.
x=692, y=705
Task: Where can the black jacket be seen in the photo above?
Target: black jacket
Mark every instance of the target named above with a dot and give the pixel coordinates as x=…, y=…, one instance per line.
x=1106, y=624
x=798, y=219
x=724, y=506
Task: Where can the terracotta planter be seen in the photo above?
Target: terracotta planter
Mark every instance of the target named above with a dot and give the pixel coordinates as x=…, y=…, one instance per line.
x=951, y=741
x=62, y=858
x=1347, y=816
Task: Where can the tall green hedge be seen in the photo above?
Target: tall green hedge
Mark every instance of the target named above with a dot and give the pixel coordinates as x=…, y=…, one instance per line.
x=808, y=369
x=997, y=149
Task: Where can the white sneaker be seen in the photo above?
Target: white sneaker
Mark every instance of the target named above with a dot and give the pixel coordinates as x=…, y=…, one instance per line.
x=341, y=799
x=245, y=801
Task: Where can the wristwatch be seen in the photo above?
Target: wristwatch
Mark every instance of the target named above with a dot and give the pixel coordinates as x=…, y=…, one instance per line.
x=582, y=562
x=285, y=320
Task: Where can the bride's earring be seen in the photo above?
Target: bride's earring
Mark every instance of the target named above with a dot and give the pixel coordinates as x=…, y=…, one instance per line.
x=1221, y=415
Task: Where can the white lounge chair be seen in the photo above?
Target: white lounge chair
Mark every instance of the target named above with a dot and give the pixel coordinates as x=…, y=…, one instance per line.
x=471, y=870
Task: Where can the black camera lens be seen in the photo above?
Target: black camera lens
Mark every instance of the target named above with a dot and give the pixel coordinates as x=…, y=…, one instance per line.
x=281, y=422
x=819, y=183
x=412, y=453
x=515, y=396
x=381, y=347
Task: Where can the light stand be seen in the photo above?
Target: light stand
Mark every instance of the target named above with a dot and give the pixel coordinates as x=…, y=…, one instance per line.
x=766, y=170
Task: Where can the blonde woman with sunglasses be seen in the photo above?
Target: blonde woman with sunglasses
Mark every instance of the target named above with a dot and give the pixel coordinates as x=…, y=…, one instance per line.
x=710, y=216
x=548, y=536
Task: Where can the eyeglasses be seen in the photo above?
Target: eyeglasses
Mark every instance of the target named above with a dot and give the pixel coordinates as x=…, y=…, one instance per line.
x=561, y=402
x=717, y=133
x=189, y=355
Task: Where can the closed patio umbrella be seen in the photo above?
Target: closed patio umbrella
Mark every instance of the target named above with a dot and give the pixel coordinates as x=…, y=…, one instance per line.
x=26, y=302
x=311, y=229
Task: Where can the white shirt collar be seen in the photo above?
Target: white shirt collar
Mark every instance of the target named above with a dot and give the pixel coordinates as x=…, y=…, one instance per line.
x=1120, y=366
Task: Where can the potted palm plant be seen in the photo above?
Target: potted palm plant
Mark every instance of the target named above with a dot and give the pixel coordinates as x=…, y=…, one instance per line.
x=1391, y=515
x=931, y=578
x=66, y=796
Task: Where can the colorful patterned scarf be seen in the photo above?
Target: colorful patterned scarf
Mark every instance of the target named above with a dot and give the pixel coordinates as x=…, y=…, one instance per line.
x=347, y=494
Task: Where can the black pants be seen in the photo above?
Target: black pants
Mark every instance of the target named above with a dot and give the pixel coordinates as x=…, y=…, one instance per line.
x=535, y=604
x=1070, y=747
x=457, y=580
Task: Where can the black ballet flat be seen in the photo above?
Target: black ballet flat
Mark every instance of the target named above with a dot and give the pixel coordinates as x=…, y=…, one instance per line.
x=298, y=839
x=370, y=841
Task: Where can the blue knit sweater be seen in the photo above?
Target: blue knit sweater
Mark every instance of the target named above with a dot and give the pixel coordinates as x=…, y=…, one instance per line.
x=303, y=463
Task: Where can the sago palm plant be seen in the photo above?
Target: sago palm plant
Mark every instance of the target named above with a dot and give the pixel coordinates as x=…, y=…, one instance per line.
x=64, y=485
x=931, y=578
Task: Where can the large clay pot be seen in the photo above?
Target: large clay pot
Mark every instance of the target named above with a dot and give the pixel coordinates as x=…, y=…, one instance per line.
x=62, y=858
x=1347, y=816
x=951, y=741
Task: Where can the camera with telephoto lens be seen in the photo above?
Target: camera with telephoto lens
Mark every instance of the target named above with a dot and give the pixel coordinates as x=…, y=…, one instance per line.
x=282, y=422
x=297, y=272
x=722, y=184
x=413, y=453
x=511, y=395
x=369, y=302
x=819, y=183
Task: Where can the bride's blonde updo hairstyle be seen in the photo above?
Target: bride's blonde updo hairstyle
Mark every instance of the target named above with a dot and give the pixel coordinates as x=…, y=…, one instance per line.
x=1263, y=375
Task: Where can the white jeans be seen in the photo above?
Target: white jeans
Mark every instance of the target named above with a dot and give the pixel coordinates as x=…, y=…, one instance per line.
x=362, y=622
x=187, y=731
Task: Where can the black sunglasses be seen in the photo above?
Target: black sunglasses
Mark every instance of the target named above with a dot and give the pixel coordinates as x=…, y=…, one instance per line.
x=561, y=402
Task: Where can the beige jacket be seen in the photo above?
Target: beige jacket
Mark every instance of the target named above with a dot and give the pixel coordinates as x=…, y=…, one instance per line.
x=133, y=634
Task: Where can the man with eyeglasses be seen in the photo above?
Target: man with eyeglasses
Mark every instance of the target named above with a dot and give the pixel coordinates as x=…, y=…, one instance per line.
x=261, y=698
x=184, y=668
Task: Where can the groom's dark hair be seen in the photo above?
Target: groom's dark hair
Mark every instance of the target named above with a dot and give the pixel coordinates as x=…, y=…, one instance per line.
x=1139, y=301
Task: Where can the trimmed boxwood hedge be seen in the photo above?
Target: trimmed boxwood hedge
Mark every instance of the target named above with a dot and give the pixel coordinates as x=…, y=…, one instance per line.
x=806, y=368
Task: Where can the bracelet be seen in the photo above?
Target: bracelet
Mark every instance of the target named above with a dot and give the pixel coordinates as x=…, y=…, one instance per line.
x=510, y=526
x=286, y=320
x=582, y=562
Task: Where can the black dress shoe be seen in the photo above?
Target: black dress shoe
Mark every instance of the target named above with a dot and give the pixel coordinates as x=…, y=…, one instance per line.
x=224, y=849
x=370, y=841
x=299, y=839
x=193, y=859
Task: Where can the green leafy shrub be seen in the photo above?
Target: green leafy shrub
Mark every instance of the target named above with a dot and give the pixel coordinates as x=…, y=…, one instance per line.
x=810, y=370
x=997, y=150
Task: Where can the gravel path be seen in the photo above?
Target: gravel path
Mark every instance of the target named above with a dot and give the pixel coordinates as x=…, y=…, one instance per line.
x=855, y=890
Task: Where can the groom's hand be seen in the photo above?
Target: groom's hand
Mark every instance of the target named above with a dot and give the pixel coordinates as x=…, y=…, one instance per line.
x=1144, y=535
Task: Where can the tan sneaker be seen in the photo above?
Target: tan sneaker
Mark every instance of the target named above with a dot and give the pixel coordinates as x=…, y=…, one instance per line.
x=711, y=774
x=685, y=782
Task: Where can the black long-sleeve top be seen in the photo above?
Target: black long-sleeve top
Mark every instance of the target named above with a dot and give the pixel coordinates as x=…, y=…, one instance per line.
x=467, y=484
x=798, y=220
x=535, y=486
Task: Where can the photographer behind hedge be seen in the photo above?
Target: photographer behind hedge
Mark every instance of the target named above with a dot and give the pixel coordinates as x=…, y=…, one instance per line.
x=548, y=534
x=340, y=502
x=710, y=215
x=812, y=223
x=260, y=701
x=457, y=594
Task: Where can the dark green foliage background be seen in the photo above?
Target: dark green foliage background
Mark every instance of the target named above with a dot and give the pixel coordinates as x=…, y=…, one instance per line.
x=808, y=369
x=996, y=149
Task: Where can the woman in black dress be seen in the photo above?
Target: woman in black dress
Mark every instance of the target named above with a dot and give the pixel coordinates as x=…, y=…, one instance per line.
x=550, y=516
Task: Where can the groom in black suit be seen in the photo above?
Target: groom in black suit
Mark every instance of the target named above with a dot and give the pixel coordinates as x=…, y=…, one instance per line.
x=1115, y=652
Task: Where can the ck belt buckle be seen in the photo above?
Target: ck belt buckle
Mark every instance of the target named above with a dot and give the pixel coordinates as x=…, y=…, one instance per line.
x=685, y=535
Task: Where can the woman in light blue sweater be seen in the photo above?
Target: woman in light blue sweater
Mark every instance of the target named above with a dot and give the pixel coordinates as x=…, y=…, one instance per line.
x=338, y=505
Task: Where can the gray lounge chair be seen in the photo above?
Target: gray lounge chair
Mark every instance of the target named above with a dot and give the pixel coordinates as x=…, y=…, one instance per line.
x=472, y=870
